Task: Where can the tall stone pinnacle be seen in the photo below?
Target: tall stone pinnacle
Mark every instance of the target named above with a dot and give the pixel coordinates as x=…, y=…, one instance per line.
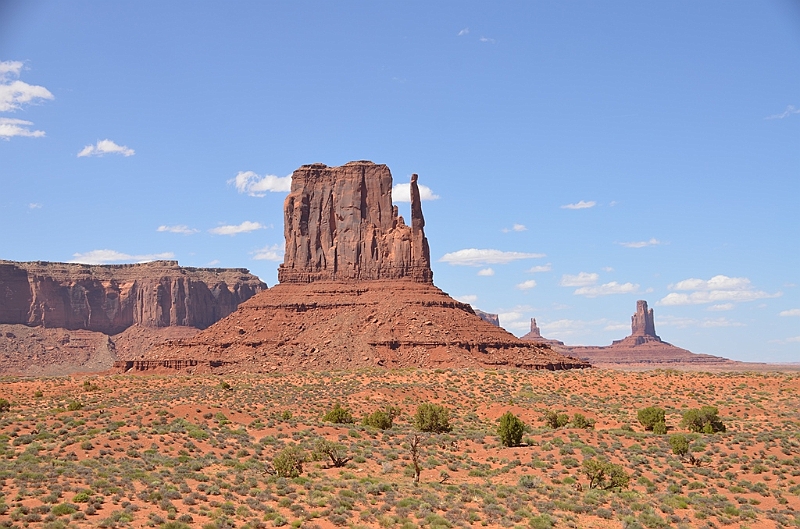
x=642, y=323
x=340, y=224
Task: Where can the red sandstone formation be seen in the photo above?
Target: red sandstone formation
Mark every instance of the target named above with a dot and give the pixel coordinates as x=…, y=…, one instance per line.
x=643, y=348
x=494, y=319
x=355, y=291
x=59, y=318
x=536, y=336
x=111, y=298
x=340, y=224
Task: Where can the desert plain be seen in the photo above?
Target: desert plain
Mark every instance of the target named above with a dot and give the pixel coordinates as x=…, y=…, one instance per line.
x=198, y=450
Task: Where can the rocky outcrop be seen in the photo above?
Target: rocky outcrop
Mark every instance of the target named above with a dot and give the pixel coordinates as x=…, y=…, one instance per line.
x=111, y=298
x=356, y=290
x=643, y=326
x=535, y=335
x=494, y=319
x=340, y=224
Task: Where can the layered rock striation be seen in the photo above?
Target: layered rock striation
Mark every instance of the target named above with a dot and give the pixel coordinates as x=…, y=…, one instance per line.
x=356, y=290
x=111, y=298
x=340, y=224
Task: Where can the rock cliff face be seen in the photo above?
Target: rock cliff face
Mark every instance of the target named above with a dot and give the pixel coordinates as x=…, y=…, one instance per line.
x=111, y=298
x=494, y=319
x=340, y=224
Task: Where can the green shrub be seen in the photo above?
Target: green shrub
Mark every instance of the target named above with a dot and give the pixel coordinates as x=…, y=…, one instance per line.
x=541, y=521
x=432, y=418
x=510, y=429
x=338, y=415
x=605, y=475
x=381, y=419
x=62, y=509
x=649, y=417
x=680, y=446
x=224, y=385
x=555, y=420
x=74, y=405
x=705, y=420
x=4, y=405
x=335, y=451
x=288, y=463
x=82, y=497
x=660, y=428
x=581, y=421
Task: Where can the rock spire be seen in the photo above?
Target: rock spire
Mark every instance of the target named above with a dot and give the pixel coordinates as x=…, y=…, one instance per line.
x=642, y=323
x=340, y=224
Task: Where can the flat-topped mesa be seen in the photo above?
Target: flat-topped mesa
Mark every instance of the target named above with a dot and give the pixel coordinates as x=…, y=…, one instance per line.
x=340, y=224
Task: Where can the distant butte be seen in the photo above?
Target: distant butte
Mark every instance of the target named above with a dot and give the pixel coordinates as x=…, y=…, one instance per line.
x=642, y=349
x=356, y=290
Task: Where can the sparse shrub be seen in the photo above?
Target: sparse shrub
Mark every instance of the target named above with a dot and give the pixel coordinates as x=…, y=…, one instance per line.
x=705, y=420
x=526, y=481
x=541, y=521
x=432, y=418
x=82, y=497
x=288, y=463
x=4, y=405
x=581, y=421
x=381, y=419
x=649, y=417
x=338, y=415
x=660, y=428
x=62, y=509
x=680, y=447
x=555, y=420
x=286, y=415
x=38, y=393
x=224, y=385
x=74, y=405
x=335, y=451
x=605, y=475
x=510, y=429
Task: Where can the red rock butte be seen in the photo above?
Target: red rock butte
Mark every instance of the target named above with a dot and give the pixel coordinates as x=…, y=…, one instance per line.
x=356, y=290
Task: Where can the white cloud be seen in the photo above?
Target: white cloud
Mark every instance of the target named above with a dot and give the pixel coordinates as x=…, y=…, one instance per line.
x=640, y=244
x=244, y=227
x=580, y=205
x=34, y=205
x=467, y=298
x=257, y=186
x=607, y=269
x=617, y=327
x=718, y=289
x=113, y=256
x=790, y=312
x=515, y=227
x=607, y=289
x=215, y=262
x=581, y=280
x=463, y=32
x=179, y=228
x=540, y=268
x=791, y=109
x=487, y=39
x=706, y=323
x=103, y=147
x=402, y=193
x=486, y=272
x=476, y=257
x=15, y=93
x=269, y=253
x=721, y=307
x=526, y=285
x=10, y=127
x=793, y=339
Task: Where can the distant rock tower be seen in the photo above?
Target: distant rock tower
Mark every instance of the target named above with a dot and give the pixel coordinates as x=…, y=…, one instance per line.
x=536, y=336
x=643, y=326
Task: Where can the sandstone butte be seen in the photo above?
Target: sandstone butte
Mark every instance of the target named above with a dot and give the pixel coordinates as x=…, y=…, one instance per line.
x=356, y=290
x=642, y=349
x=58, y=318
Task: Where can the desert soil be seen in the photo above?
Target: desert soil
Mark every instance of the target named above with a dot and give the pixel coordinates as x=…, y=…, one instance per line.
x=179, y=451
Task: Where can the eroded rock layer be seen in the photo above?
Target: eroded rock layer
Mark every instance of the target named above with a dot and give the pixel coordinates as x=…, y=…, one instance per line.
x=111, y=298
x=340, y=224
x=352, y=324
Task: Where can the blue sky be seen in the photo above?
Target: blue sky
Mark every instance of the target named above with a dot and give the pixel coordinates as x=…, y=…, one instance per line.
x=580, y=155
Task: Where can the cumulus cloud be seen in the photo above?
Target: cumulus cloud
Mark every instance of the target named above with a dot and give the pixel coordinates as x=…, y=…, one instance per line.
x=640, y=244
x=526, y=285
x=482, y=257
x=581, y=280
x=790, y=110
x=486, y=272
x=467, y=298
x=15, y=93
x=183, y=229
x=103, y=147
x=790, y=312
x=718, y=289
x=722, y=306
x=540, y=268
x=113, y=256
x=10, y=127
x=607, y=289
x=257, y=186
x=402, y=193
x=580, y=205
x=515, y=227
x=269, y=253
x=244, y=227
x=706, y=323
